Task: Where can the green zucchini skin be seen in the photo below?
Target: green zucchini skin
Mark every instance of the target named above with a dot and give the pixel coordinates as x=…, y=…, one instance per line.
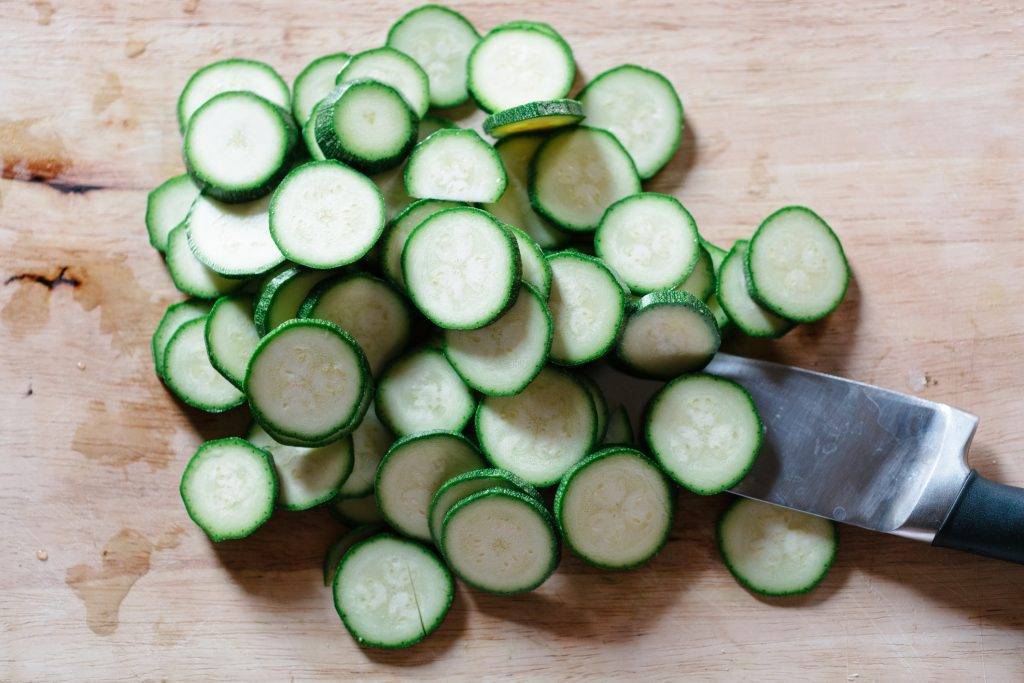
x=216, y=359
x=281, y=97
x=532, y=114
x=776, y=331
x=176, y=315
x=182, y=393
x=326, y=61
x=172, y=187
x=670, y=299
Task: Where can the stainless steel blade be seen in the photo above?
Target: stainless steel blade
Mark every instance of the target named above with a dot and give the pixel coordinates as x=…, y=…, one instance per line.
x=840, y=449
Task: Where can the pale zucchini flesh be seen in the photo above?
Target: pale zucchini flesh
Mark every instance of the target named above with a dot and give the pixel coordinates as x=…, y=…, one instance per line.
x=314, y=82
x=393, y=68
x=464, y=485
x=455, y=165
x=283, y=295
x=341, y=545
x=174, y=317
x=536, y=271
x=398, y=231
x=231, y=336
x=392, y=181
x=704, y=431
x=230, y=75
x=734, y=297
x=370, y=441
x=600, y=404
x=412, y=471
x=516, y=65
x=233, y=239
x=421, y=391
x=773, y=550
x=167, y=206
x=587, y=306
x=190, y=375
x=667, y=334
x=190, y=275
x=306, y=477
x=701, y=281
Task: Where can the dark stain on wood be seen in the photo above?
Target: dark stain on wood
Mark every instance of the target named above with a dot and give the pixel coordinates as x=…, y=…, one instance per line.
x=61, y=278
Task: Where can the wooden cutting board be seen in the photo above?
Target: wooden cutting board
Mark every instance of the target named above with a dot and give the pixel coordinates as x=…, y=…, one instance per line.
x=899, y=122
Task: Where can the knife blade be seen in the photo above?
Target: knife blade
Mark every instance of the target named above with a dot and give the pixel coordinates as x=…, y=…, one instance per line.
x=861, y=455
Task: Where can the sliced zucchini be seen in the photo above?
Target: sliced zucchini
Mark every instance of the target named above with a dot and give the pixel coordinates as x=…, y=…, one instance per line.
x=307, y=477
x=701, y=281
x=326, y=215
x=513, y=208
x=734, y=297
x=392, y=181
x=463, y=485
x=307, y=381
x=455, y=164
x=174, y=317
x=587, y=305
x=614, y=508
x=411, y=472
x=389, y=66
x=397, y=233
x=577, y=174
x=532, y=117
x=313, y=84
x=237, y=146
x=716, y=253
x=365, y=124
x=356, y=511
x=667, y=334
x=440, y=40
x=500, y=541
x=650, y=240
x=721, y=318
x=523, y=23
x=795, y=265
x=226, y=76
x=620, y=429
x=600, y=404
x=536, y=271
x=370, y=441
x=500, y=359
x=773, y=550
x=233, y=239
x=309, y=138
x=516, y=65
x=421, y=391
x=641, y=108
x=167, y=206
x=369, y=309
x=461, y=268
x=189, y=274
x=541, y=432
x=190, y=375
x=229, y=488
x=283, y=295
x=339, y=547
x=391, y=592
x=231, y=336
x=705, y=431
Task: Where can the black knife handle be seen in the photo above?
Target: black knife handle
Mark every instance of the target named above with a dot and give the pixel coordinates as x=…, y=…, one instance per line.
x=986, y=519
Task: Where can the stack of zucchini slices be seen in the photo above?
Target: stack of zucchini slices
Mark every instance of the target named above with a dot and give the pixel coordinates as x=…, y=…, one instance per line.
x=410, y=313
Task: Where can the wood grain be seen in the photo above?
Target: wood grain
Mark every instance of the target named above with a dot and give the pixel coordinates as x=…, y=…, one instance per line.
x=899, y=122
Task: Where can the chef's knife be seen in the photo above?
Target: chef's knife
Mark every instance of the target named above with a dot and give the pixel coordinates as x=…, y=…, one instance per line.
x=863, y=455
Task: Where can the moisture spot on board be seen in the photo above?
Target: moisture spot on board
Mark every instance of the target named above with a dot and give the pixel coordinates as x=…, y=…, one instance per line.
x=119, y=436
x=44, y=12
x=761, y=178
x=189, y=6
x=133, y=48
x=919, y=380
x=125, y=559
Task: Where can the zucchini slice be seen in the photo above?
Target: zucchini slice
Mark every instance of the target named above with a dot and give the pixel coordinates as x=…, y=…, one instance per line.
x=369, y=309
x=392, y=181
x=455, y=164
x=773, y=550
x=190, y=275
x=370, y=441
x=233, y=239
x=540, y=432
x=704, y=431
x=620, y=429
x=231, y=336
x=642, y=109
x=365, y=124
x=421, y=391
x=326, y=215
x=536, y=271
x=516, y=65
x=500, y=359
x=577, y=174
x=391, y=592
x=587, y=306
x=167, y=206
x=461, y=268
x=307, y=381
x=226, y=76
x=237, y=146
x=614, y=508
x=313, y=84
x=600, y=404
x=701, y=281
x=463, y=485
x=397, y=233
x=734, y=297
x=440, y=40
x=411, y=472
x=667, y=334
x=338, y=548
x=174, y=317
x=513, y=207
x=650, y=240
x=500, y=541
x=190, y=375
x=229, y=488
x=356, y=511
x=532, y=117
x=283, y=295
x=389, y=66
x=795, y=265
x=307, y=477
